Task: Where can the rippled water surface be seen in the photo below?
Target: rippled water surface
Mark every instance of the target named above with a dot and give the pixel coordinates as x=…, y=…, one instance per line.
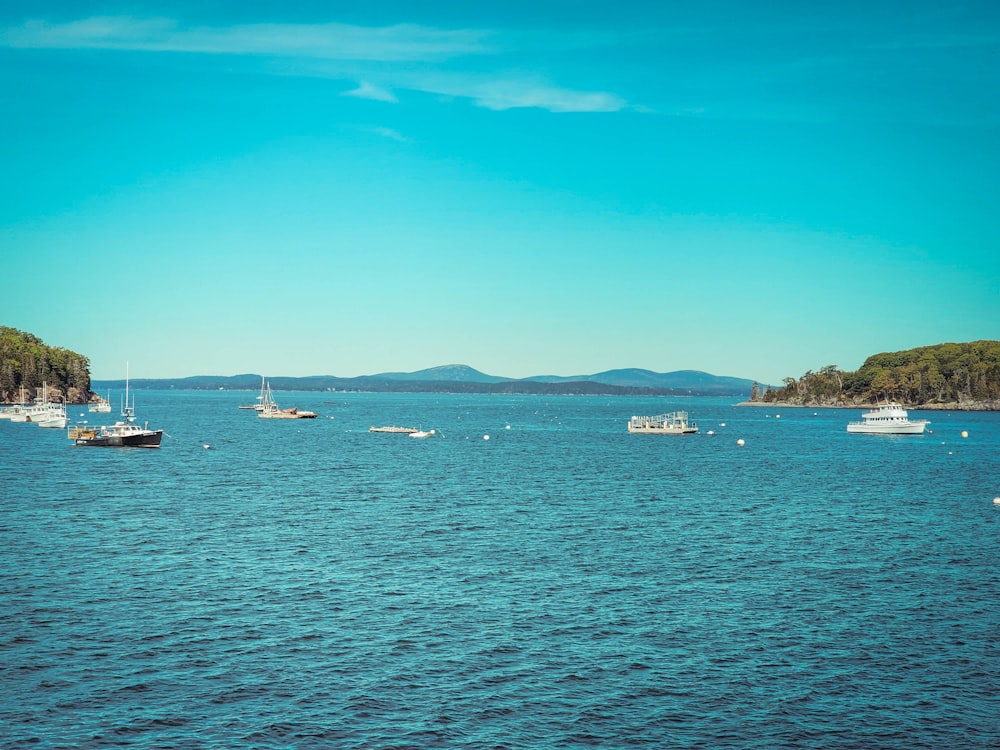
x=308, y=584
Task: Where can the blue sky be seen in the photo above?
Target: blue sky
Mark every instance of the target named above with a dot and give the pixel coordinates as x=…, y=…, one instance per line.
x=749, y=189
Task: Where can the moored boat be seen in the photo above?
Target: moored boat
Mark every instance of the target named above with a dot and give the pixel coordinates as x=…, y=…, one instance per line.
x=18, y=412
x=45, y=411
x=270, y=409
x=123, y=434
x=888, y=419
x=55, y=418
x=394, y=428
x=101, y=405
x=672, y=423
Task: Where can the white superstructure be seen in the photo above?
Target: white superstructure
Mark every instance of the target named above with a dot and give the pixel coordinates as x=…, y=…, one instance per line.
x=888, y=419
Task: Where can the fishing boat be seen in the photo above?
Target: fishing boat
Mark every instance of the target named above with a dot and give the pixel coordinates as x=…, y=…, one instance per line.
x=44, y=410
x=123, y=434
x=55, y=417
x=888, y=419
x=673, y=423
x=270, y=409
x=101, y=405
x=423, y=433
x=16, y=412
x=19, y=412
x=394, y=428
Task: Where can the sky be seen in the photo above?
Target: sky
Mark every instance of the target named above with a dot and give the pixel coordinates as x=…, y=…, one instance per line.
x=750, y=189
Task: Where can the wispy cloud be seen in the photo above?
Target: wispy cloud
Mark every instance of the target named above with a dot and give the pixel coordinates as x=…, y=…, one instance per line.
x=333, y=50
x=393, y=135
x=366, y=90
x=513, y=93
x=331, y=41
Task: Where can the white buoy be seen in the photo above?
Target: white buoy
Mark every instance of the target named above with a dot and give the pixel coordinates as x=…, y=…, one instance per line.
x=722, y=424
x=996, y=501
x=486, y=437
x=965, y=433
x=711, y=432
x=740, y=442
x=507, y=427
x=206, y=446
x=777, y=416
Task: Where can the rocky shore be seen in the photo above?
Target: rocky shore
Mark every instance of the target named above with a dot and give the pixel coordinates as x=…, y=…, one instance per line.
x=952, y=406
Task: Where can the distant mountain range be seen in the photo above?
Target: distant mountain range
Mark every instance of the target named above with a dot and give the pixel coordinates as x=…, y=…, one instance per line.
x=465, y=379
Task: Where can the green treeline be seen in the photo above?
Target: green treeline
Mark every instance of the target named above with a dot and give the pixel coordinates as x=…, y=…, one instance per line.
x=940, y=374
x=26, y=361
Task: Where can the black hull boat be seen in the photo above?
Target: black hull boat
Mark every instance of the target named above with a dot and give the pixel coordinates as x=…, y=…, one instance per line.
x=120, y=435
x=124, y=434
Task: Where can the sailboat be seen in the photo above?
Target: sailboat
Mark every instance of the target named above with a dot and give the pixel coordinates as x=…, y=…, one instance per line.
x=259, y=406
x=269, y=408
x=123, y=434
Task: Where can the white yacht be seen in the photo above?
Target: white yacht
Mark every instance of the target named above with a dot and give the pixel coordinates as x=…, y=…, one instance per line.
x=888, y=419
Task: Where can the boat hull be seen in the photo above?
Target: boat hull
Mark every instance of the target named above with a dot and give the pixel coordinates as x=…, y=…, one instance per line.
x=911, y=428
x=292, y=413
x=662, y=430
x=673, y=423
x=148, y=439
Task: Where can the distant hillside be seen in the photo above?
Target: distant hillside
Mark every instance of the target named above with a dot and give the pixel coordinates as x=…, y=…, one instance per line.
x=961, y=376
x=684, y=380
x=465, y=379
x=443, y=374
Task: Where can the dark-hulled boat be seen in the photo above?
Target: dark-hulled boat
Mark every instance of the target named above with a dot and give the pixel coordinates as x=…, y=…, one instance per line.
x=123, y=434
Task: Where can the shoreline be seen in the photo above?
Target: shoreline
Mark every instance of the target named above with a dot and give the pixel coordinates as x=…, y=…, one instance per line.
x=952, y=406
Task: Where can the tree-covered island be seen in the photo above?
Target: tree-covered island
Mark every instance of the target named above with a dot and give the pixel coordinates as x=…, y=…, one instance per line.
x=945, y=376
x=26, y=361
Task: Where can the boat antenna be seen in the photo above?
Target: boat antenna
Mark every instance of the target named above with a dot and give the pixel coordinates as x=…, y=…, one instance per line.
x=129, y=410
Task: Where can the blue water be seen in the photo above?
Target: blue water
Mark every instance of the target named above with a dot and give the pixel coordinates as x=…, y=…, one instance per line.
x=308, y=584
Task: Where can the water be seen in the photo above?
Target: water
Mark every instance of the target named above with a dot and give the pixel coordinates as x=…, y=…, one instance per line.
x=308, y=584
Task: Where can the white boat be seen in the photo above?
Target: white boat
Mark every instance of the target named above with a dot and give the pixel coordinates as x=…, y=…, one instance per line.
x=270, y=409
x=101, y=405
x=423, y=434
x=18, y=412
x=888, y=419
x=673, y=423
x=56, y=417
x=44, y=410
x=393, y=428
